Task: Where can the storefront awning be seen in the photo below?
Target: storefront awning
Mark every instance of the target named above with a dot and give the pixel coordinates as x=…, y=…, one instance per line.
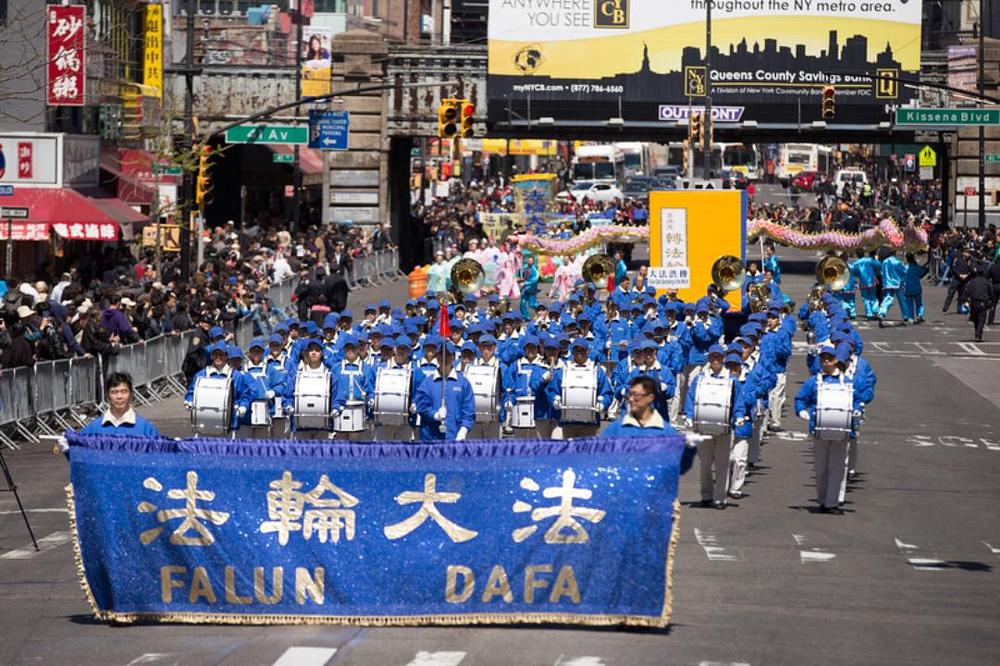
x=310, y=161
x=70, y=214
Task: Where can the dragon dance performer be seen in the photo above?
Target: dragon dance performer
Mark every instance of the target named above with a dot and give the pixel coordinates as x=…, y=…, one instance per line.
x=529, y=289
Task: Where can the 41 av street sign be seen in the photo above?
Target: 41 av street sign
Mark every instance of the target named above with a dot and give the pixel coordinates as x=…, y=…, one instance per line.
x=268, y=134
x=990, y=116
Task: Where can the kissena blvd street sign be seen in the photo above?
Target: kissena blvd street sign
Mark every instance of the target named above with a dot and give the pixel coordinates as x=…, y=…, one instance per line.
x=990, y=116
x=268, y=134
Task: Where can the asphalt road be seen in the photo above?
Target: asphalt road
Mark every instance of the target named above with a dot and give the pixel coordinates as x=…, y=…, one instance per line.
x=907, y=576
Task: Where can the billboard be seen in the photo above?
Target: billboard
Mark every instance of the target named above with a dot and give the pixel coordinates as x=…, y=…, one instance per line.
x=315, y=72
x=600, y=59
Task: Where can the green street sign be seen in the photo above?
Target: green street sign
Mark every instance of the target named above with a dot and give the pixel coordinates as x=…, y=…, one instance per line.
x=989, y=116
x=167, y=170
x=993, y=158
x=282, y=158
x=268, y=134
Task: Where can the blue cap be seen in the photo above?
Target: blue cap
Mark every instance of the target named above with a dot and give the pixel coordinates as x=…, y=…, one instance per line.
x=433, y=341
x=234, y=352
x=487, y=340
x=370, y=308
x=774, y=312
x=470, y=347
x=402, y=341
x=348, y=339
x=216, y=332
x=580, y=343
x=313, y=342
x=218, y=347
x=312, y=328
x=384, y=303
x=330, y=320
x=646, y=344
x=550, y=341
x=584, y=317
x=744, y=341
x=493, y=298
x=750, y=330
x=828, y=350
x=293, y=322
x=450, y=347
x=507, y=317
x=281, y=328
x=844, y=352
x=346, y=314
x=555, y=307
x=257, y=343
x=716, y=349
x=433, y=305
x=733, y=358
x=231, y=280
x=276, y=339
x=758, y=317
x=701, y=307
x=530, y=340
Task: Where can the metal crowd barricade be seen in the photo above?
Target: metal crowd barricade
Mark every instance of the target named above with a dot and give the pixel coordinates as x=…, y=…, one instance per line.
x=44, y=380
x=243, y=333
x=16, y=404
x=156, y=365
x=85, y=386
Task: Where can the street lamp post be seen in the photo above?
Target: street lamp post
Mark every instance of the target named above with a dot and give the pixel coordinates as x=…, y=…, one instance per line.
x=707, y=118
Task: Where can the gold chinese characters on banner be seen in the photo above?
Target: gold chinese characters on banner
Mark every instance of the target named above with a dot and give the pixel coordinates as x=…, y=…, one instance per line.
x=152, y=66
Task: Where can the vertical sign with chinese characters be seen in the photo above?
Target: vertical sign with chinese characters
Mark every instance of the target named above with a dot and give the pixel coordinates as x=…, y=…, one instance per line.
x=25, y=159
x=65, y=80
x=223, y=531
x=152, y=69
x=674, y=272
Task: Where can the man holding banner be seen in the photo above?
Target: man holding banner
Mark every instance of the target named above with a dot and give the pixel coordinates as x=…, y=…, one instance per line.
x=445, y=402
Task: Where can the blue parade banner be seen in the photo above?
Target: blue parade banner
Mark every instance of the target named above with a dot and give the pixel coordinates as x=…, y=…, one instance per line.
x=271, y=532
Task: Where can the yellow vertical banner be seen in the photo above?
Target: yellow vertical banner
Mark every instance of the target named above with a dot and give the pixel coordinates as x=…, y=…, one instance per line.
x=152, y=69
x=688, y=231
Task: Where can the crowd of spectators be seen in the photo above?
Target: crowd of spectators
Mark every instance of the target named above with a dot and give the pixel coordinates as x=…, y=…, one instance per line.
x=101, y=303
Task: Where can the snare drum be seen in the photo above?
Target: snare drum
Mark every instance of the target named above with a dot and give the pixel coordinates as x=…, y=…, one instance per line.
x=579, y=395
x=392, y=396
x=213, y=405
x=312, y=401
x=834, y=410
x=260, y=415
x=524, y=413
x=485, y=380
x=351, y=418
x=713, y=405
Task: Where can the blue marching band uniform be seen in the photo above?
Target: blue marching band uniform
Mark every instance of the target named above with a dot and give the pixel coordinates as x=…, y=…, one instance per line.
x=566, y=367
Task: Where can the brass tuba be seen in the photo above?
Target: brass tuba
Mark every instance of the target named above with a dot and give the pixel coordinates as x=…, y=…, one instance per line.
x=833, y=273
x=597, y=269
x=759, y=297
x=728, y=273
x=467, y=276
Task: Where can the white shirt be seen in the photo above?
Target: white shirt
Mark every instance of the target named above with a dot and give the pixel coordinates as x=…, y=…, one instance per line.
x=127, y=418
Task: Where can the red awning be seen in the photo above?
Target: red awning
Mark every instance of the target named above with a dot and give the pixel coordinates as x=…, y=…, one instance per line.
x=310, y=161
x=69, y=213
x=132, y=170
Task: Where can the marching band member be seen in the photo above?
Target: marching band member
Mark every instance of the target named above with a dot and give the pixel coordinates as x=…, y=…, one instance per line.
x=445, y=402
x=428, y=365
x=466, y=356
x=546, y=425
x=580, y=359
x=522, y=384
x=778, y=335
x=744, y=400
x=829, y=457
x=662, y=375
x=642, y=420
x=268, y=381
x=401, y=361
x=219, y=367
x=714, y=449
x=859, y=372
x=350, y=385
x=312, y=366
x=488, y=358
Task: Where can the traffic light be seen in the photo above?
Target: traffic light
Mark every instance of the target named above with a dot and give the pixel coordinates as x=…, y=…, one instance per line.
x=707, y=134
x=448, y=118
x=203, y=184
x=829, y=104
x=695, y=128
x=468, y=110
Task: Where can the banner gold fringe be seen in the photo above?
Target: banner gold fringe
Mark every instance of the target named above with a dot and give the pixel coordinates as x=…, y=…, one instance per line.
x=380, y=620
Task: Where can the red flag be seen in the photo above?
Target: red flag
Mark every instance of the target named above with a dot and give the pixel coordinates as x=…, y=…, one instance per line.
x=611, y=283
x=444, y=326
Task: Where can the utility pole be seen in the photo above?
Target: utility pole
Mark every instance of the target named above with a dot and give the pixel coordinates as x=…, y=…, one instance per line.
x=707, y=119
x=187, y=187
x=982, y=129
x=296, y=167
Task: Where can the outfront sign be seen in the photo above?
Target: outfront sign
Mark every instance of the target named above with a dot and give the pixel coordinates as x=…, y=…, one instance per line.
x=599, y=59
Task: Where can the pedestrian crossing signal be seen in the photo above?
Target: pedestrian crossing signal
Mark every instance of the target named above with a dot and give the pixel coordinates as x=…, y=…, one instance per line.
x=203, y=184
x=448, y=118
x=829, y=104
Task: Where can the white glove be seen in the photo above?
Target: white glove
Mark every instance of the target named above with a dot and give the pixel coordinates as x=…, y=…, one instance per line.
x=441, y=414
x=741, y=421
x=804, y=415
x=334, y=413
x=858, y=413
x=62, y=444
x=413, y=408
x=688, y=423
x=663, y=386
x=188, y=404
x=241, y=411
x=460, y=435
x=270, y=395
x=289, y=409
x=556, y=403
x=546, y=376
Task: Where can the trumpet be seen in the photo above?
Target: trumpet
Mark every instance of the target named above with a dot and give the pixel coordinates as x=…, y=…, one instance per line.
x=597, y=269
x=832, y=272
x=728, y=273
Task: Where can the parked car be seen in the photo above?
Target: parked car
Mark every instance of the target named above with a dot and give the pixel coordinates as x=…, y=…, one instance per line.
x=595, y=191
x=856, y=177
x=805, y=181
x=638, y=188
x=736, y=180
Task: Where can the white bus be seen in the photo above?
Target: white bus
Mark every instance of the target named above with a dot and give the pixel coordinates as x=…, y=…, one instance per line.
x=603, y=162
x=742, y=158
x=794, y=158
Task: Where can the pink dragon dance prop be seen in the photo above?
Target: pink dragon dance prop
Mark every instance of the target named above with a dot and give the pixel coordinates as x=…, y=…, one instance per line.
x=907, y=238
x=887, y=233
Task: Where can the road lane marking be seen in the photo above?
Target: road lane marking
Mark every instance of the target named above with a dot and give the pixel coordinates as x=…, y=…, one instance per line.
x=971, y=348
x=881, y=346
x=149, y=658
x=579, y=661
x=10, y=513
x=927, y=349
x=993, y=549
x=723, y=663
x=53, y=540
x=812, y=555
x=305, y=656
x=920, y=563
x=709, y=541
x=437, y=659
